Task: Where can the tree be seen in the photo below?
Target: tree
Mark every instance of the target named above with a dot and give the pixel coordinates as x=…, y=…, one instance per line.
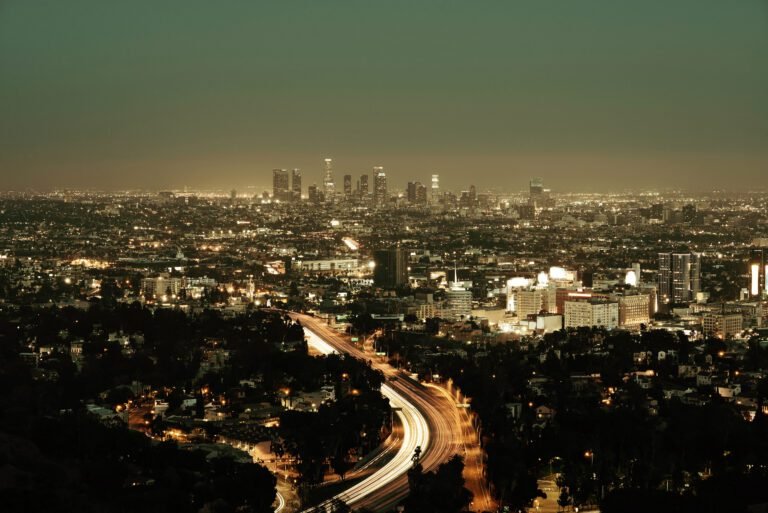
x=340, y=463
x=441, y=491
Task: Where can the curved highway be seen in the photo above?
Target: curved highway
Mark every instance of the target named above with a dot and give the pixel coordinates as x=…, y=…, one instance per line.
x=428, y=421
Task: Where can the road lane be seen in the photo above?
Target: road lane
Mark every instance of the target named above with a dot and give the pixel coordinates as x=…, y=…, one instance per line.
x=428, y=421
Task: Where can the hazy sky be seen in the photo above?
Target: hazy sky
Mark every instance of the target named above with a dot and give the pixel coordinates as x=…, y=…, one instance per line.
x=587, y=94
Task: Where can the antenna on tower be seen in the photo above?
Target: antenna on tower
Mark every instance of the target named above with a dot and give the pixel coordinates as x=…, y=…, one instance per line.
x=455, y=270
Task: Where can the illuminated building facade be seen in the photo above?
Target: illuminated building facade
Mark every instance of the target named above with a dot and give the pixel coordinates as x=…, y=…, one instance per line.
x=296, y=184
x=379, y=185
x=679, y=277
x=329, y=187
x=758, y=271
x=280, y=184
x=592, y=312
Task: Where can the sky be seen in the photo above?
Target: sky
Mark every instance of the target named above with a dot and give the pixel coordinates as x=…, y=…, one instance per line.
x=589, y=95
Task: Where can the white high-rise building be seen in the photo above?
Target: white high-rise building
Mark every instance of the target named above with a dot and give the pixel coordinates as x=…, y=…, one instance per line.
x=379, y=185
x=329, y=187
x=459, y=302
x=435, y=189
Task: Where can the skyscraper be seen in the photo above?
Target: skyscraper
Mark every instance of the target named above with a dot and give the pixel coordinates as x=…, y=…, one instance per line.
x=412, y=191
x=363, y=186
x=379, y=185
x=435, y=189
x=328, y=185
x=391, y=268
x=421, y=194
x=347, y=186
x=459, y=302
x=315, y=196
x=296, y=184
x=679, y=277
x=280, y=184
x=758, y=273
x=535, y=188
x=538, y=196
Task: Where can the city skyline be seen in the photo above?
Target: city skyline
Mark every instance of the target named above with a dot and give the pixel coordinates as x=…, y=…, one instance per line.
x=592, y=96
x=383, y=257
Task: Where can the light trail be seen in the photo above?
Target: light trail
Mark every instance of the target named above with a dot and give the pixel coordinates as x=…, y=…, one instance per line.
x=320, y=345
x=427, y=418
x=280, y=503
x=415, y=434
x=379, y=456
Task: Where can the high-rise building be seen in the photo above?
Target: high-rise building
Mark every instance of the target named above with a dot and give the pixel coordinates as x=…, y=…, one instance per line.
x=535, y=187
x=472, y=195
x=634, y=310
x=390, y=268
x=679, y=277
x=417, y=193
x=379, y=186
x=435, y=189
x=538, y=196
x=421, y=194
x=411, y=194
x=592, y=312
x=363, y=186
x=758, y=272
x=296, y=184
x=315, y=196
x=347, y=186
x=280, y=184
x=528, y=302
x=458, y=302
x=328, y=185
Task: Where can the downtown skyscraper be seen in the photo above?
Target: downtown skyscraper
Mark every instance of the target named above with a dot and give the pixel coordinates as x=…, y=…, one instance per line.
x=280, y=185
x=296, y=184
x=379, y=186
x=329, y=188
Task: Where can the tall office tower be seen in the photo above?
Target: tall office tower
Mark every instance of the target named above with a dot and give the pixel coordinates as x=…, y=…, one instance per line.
x=363, y=186
x=296, y=184
x=379, y=186
x=347, y=186
x=472, y=195
x=695, y=260
x=464, y=199
x=328, y=185
x=535, y=188
x=435, y=189
x=412, y=191
x=538, y=196
x=280, y=184
x=315, y=196
x=679, y=277
x=391, y=268
x=758, y=273
x=421, y=194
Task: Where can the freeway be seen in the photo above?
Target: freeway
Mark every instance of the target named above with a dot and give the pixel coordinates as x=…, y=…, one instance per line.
x=428, y=419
